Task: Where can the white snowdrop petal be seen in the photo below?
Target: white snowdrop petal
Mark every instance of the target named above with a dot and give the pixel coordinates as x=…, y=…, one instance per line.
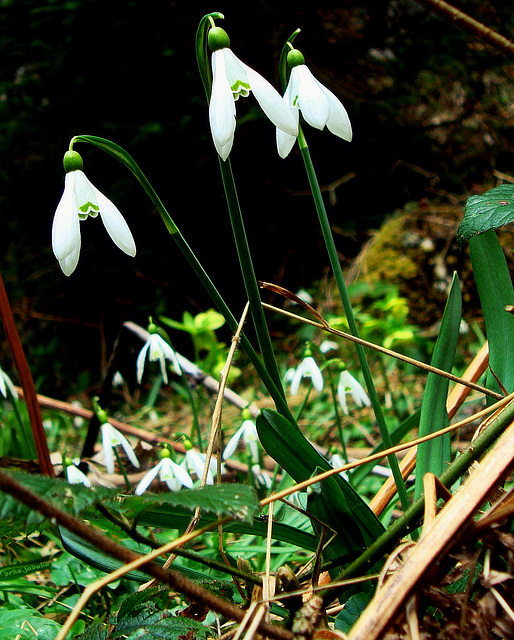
x=338, y=121
x=115, y=224
x=66, y=224
x=272, y=103
x=222, y=110
x=147, y=479
x=311, y=98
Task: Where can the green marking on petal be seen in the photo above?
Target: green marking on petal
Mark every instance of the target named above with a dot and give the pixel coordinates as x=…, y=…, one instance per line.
x=89, y=209
x=240, y=88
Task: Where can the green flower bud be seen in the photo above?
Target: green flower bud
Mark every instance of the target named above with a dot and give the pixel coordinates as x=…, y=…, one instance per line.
x=218, y=39
x=246, y=414
x=308, y=351
x=187, y=443
x=164, y=453
x=72, y=161
x=152, y=328
x=295, y=58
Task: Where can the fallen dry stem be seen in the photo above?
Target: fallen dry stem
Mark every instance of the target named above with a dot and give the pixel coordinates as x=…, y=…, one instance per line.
x=393, y=354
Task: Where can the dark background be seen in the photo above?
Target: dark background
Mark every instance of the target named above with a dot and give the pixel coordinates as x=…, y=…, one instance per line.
x=432, y=110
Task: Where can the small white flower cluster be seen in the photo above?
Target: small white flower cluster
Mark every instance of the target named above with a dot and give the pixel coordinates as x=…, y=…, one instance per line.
x=6, y=384
x=308, y=368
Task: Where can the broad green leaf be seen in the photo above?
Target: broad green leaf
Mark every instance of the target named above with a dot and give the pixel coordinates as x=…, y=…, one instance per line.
x=493, y=209
x=234, y=500
x=15, y=624
x=495, y=289
x=353, y=608
x=434, y=456
x=96, y=558
x=337, y=505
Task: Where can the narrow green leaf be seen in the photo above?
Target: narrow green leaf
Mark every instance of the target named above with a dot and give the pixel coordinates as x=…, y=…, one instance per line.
x=337, y=504
x=179, y=519
x=434, y=455
x=491, y=210
x=495, y=289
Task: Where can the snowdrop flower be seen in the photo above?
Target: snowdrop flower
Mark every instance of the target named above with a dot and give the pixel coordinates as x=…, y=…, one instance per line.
x=75, y=476
x=248, y=433
x=262, y=478
x=307, y=369
x=318, y=105
x=173, y=474
x=336, y=460
x=79, y=201
x=328, y=345
x=232, y=78
x=111, y=437
x=5, y=384
x=158, y=349
x=195, y=462
x=348, y=384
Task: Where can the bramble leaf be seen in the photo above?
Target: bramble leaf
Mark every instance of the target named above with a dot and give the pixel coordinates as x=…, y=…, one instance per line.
x=493, y=209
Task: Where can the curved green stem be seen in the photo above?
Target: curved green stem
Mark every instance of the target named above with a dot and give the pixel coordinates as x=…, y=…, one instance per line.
x=247, y=270
x=126, y=159
x=347, y=306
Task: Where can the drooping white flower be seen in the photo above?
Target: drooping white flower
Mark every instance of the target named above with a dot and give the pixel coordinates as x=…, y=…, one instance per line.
x=232, y=78
x=76, y=476
x=348, y=384
x=173, y=474
x=79, y=201
x=6, y=383
x=158, y=349
x=195, y=462
x=247, y=432
x=336, y=460
x=328, y=345
x=307, y=369
x=111, y=437
x=319, y=106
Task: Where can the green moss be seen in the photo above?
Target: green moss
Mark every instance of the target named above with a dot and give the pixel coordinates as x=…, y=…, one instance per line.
x=386, y=258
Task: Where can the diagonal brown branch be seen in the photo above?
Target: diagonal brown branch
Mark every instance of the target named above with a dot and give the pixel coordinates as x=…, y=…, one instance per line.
x=469, y=24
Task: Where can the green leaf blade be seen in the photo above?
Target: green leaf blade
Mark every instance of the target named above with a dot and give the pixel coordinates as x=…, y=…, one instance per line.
x=434, y=455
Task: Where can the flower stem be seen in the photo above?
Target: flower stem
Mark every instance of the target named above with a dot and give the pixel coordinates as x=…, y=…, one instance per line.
x=347, y=306
x=247, y=270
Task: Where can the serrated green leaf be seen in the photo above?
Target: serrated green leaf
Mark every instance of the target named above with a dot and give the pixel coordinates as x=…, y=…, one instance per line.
x=433, y=456
x=73, y=499
x=136, y=600
x=95, y=631
x=493, y=209
x=234, y=500
x=160, y=625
